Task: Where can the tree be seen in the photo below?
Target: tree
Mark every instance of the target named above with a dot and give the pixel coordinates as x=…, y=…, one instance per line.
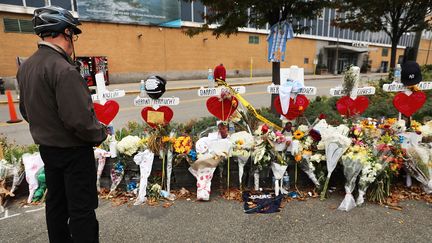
x=229, y=16
x=394, y=17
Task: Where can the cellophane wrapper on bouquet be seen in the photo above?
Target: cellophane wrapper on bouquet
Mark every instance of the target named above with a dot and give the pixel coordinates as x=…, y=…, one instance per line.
x=418, y=166
x=352, y=168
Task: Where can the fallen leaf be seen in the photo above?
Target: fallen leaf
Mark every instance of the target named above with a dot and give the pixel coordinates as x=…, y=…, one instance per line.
x=167, y=205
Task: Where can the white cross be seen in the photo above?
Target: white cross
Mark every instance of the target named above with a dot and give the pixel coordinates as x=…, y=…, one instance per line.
x=356, y=91
x=205, y=92
x=102, y=93
x=293, y=73
x=155, y=103
x=397, y=87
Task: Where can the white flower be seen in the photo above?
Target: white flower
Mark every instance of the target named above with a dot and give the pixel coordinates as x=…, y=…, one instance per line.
x=316, y=157
x=303, y=128
x=399, y=126
x=271, y=136
x=321, y=145
x=243, y=137
x=426, y=129
x=128, y=145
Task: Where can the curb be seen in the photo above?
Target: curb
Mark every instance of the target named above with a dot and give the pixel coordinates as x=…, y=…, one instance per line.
x=197, y=87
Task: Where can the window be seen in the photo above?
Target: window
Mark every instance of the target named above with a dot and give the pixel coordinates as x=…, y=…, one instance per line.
x=12, y=2
x=384, y=52
x=66, y=4
x=253, y=39
x=35, y=3
x=306, y=60
x=18, y=25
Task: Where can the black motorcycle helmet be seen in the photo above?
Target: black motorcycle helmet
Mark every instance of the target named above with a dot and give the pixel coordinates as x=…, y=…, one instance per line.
x=51, y=21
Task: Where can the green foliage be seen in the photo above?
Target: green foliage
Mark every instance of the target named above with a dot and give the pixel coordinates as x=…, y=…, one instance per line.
x=427, y=72
x=326, y=106
x=196, y=126
x=267, y=113
x=349, y=80
x=12, y=153
x=395, y=17
x=231, y=15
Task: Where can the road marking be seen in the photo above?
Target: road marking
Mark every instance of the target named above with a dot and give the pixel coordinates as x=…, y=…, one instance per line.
x=7, y=216
x=35, y=210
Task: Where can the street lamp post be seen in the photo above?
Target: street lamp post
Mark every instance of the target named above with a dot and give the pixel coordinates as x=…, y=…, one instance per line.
x=337, y=53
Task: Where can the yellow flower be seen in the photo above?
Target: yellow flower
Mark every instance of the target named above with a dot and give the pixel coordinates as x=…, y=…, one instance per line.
x=415, y=125
x=307, y=152
x=298, y=134
x=391, y=121
x=165, y=139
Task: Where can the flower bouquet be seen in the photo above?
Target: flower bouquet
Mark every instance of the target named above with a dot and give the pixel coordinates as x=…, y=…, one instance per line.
x=336, y=143
x=262, y=155
x=100, y=156
x=210, y=154
x=126, y=147
x=145, y=162
x=279, y=164
x=418, y=165
x=242, y=144
x=372, y=168
x=389, y=156
x=352, y=166
x=311, y=154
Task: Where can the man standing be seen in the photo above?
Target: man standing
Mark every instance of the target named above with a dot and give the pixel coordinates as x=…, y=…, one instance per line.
x=56, y=102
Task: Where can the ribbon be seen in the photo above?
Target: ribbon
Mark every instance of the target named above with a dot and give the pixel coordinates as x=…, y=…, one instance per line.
x=248, y=105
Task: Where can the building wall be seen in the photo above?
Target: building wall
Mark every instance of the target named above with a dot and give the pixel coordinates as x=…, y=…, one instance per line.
x=13, y=45
x=136, y=51
x=376, y=55
x=425, y=49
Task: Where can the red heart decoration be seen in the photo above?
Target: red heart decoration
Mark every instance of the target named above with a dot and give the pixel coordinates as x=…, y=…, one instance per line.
x=349, y=107
x=409, y=104
x=168, y=114
x=107, y=112
x=222, y=109
x=295, y=109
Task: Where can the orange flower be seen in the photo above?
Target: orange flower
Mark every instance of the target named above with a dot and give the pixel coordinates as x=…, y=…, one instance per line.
x=298, y=157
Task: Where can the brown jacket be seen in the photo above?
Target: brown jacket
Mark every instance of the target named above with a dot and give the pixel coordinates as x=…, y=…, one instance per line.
x=56, y=102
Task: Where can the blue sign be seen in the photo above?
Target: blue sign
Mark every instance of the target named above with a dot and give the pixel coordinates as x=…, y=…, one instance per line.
x=145, y=12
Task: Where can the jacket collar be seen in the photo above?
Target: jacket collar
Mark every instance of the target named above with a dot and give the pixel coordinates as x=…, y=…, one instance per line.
x=56, y=48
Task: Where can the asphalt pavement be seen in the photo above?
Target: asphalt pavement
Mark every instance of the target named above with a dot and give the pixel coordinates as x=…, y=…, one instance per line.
x=174, y=85
x=220, y=220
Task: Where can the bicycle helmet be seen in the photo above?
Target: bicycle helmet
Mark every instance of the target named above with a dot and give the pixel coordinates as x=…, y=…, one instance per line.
x=51, y=20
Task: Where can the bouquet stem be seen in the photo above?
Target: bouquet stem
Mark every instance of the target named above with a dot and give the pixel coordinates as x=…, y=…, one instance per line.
x=163, y=168
x=228, y=177
x=324, y=191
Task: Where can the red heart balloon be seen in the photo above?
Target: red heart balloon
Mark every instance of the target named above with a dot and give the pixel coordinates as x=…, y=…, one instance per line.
x=168, y=114
x=409, y=104
x=107, y=112
x=295, y=108
x=349, y=107
x=222, y=109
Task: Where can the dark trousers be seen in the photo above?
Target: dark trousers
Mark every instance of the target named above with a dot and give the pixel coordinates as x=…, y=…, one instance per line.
x=72, y=195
